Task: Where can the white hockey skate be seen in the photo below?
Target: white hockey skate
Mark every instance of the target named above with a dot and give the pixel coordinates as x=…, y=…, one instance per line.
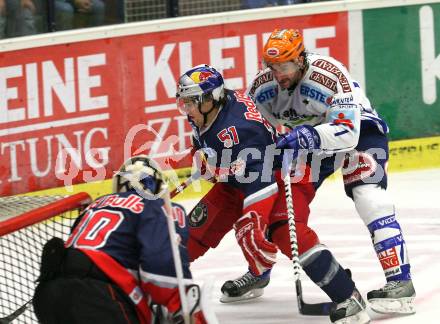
x=350, y=311
x=246, y=287
x=396, y=297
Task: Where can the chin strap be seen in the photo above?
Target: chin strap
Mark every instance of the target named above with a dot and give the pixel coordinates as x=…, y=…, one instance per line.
x=205, y=114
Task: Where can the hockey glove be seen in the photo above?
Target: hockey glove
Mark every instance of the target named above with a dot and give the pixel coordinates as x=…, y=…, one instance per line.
x=259, y=252
x=196, y=314
x=299, y=138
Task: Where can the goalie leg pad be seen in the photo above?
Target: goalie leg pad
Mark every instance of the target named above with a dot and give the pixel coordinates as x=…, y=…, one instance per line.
x=377, y=212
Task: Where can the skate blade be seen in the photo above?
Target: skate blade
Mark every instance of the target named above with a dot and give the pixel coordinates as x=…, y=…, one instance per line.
x=359, y=318
x=404, y=305
x=254, y=293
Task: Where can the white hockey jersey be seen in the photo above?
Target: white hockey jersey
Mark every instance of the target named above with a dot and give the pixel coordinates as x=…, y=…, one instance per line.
x=326, y=97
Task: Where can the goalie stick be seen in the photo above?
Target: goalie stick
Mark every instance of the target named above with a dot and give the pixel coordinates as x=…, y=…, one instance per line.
x=303, y=307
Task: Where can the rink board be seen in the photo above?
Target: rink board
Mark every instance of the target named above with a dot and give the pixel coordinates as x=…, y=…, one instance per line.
x=405, y=155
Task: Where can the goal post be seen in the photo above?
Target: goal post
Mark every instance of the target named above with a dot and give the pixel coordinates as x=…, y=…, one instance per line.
x=26, y=223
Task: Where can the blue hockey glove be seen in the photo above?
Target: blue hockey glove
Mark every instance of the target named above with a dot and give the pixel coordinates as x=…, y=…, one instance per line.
x=299, y=138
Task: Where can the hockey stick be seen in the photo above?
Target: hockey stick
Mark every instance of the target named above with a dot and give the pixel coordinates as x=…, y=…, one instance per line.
x=303, y=307
x=177, y=261
x=183, y=185
x=8, y=319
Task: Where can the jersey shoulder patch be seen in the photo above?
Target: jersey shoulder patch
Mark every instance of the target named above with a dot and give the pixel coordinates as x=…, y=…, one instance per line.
x=332, y=68
x=262, y=78
x=323, y=80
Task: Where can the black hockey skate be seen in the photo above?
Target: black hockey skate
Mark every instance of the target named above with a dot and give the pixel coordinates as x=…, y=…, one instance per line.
x=350, y=311
x=396, y=297
x=246, y=287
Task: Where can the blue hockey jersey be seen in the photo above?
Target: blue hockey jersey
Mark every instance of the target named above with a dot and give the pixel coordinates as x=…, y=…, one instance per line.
x=239, y=144
x=127, y=237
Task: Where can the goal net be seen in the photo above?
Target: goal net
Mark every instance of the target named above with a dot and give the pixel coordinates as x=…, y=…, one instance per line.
x=26, y=223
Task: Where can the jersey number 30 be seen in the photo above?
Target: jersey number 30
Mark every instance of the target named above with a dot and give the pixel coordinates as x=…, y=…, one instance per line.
x=95, y=228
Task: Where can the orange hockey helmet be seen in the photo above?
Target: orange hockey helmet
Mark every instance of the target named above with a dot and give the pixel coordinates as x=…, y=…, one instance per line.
x=282, y=46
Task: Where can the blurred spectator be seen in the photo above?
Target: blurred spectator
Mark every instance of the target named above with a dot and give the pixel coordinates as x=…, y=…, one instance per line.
x=17, y=18
x=249, y=4
x=71, y=14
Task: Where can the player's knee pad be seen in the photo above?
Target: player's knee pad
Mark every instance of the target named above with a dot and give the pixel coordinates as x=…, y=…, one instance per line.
x=377, y=211
x=372, y=202
x=362, y=168
x=280, y=235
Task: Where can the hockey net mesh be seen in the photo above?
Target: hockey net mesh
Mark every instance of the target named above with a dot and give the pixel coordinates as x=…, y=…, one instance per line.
x=21, y=247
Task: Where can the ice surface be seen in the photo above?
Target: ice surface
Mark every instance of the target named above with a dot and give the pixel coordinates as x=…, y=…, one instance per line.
x=333, y=216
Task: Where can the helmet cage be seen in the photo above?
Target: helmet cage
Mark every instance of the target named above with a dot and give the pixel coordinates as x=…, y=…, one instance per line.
x=142, y=174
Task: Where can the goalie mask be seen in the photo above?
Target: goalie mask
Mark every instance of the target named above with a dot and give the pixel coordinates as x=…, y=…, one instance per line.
x=142, y=174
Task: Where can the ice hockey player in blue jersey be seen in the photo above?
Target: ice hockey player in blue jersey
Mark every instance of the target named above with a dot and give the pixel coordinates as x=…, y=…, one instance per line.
x=117, y=266
x=248, y=194
x=326, y=112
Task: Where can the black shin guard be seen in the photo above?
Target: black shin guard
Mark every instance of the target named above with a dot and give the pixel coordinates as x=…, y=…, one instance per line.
x=328, y=274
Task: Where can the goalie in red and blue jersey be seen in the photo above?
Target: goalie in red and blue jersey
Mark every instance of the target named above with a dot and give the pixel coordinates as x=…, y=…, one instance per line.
x=238, y=146
x=117, y=266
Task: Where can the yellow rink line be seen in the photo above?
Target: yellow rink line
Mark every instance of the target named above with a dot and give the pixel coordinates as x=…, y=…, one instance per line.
x=405, y=155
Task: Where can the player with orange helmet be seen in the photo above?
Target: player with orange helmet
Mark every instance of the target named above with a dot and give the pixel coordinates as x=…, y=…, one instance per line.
x=284, y=55
x=330, y=119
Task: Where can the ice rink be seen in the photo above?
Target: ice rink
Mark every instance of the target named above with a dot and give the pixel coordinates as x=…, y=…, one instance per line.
x=416, y=195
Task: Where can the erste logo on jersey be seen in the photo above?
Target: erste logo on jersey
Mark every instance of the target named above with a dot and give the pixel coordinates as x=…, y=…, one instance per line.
x=313, y=93
x=266, y=94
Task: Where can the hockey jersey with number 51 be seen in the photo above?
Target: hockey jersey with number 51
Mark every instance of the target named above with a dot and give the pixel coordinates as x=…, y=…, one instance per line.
x=238, y=144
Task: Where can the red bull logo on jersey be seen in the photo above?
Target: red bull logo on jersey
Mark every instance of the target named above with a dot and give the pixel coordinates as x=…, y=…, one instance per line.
x=199, y=77
x=132, y=202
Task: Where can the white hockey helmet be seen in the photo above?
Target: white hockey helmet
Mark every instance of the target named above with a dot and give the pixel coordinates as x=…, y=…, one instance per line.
x=142, y=174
